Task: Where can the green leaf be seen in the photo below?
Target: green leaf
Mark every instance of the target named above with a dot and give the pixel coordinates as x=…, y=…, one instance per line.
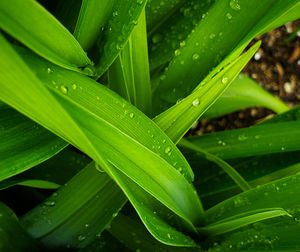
x=129, y=75
x=24, y=144
x=92, y=17
x=163, y=41
x=258, y=140
x=12, y=236
x=244, y=92
x=158, y=11
x=241, y=220
x=30, y=23
x=238, y=22
x=177, y=120
x=124, y=147
x=50, y=174
x=62, y=219
x=117, y=32
x=135, y=236
x=277, y=234
x=236, y=177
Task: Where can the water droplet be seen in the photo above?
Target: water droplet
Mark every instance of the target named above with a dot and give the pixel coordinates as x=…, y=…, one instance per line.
x=74, y=86
x=115, y=214
x=169, y=236
x=162, y=77
x=168, y=150
x=242, y=138
x=49, y=70
x=229, y=16
x=224, y=80
x=131, y=115
x=196, y=102
x=86, y=225
x=64, y=89
x=212, y=35
x=196, y=56
x=140, y=1
x=81, y=238
x=115, y=13
x=283, y=148
x=234, y=4
x=182, y=43
x=135, y=22
x=49, y=203
x=177, y=52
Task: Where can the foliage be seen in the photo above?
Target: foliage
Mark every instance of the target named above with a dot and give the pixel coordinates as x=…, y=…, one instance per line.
x=95, y=100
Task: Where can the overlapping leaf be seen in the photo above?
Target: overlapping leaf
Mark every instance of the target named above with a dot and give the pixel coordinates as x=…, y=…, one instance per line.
x=244, y=92
x=70, y=99
x=24, y=144
x=34, y=26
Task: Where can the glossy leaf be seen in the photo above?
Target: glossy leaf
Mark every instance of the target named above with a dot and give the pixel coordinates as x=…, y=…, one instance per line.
x=241, y=21
x=244, y=92
x=24, y=144
x=92, y=17
x=258, y=140
x=177, y=120
x=58, y=221
x=52, y=173
x=129, y=75
x=120, y=161
x=277, y=235
x=117, y=32
x=35, y=27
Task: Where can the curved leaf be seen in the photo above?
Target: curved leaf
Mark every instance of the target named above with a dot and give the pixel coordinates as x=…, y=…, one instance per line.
x=244, y=92
x=92, y=17
x=158, y=177
x=35, y=27
x=120, y=26
x=24, y=144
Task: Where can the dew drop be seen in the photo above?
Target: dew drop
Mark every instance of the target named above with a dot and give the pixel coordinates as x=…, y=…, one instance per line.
x=224, y=80
x=99, y=168
x=49, y=203
x=196, y=102
x=168, y=150
x=212, y=35
x=182, y=43
x=196, y=56
x=74, y=86
x=234, y=4
x=81, y=238
x=242, y=138
x=229, y=16
x=177, y=52
x=131, y=115
x=64, y=89
x=49, y=70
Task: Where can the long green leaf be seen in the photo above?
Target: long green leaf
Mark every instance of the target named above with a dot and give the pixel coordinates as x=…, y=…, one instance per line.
x=120, y=26
x=177, y=120
x=24, y=144
x=129, y=75
x=185, y=205
x=244, y=92
x=57, y=222
x=258, y=140
x=92, y=17
x=279, y=234
x=52, y=173
x=34, y=26
x=12, y=236
x=241, y=21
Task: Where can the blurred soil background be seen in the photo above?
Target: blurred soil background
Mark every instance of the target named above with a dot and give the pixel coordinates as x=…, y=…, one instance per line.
x=276, y=67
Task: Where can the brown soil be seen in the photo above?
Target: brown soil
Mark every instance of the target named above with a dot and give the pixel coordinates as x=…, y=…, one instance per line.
x=276, y=67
